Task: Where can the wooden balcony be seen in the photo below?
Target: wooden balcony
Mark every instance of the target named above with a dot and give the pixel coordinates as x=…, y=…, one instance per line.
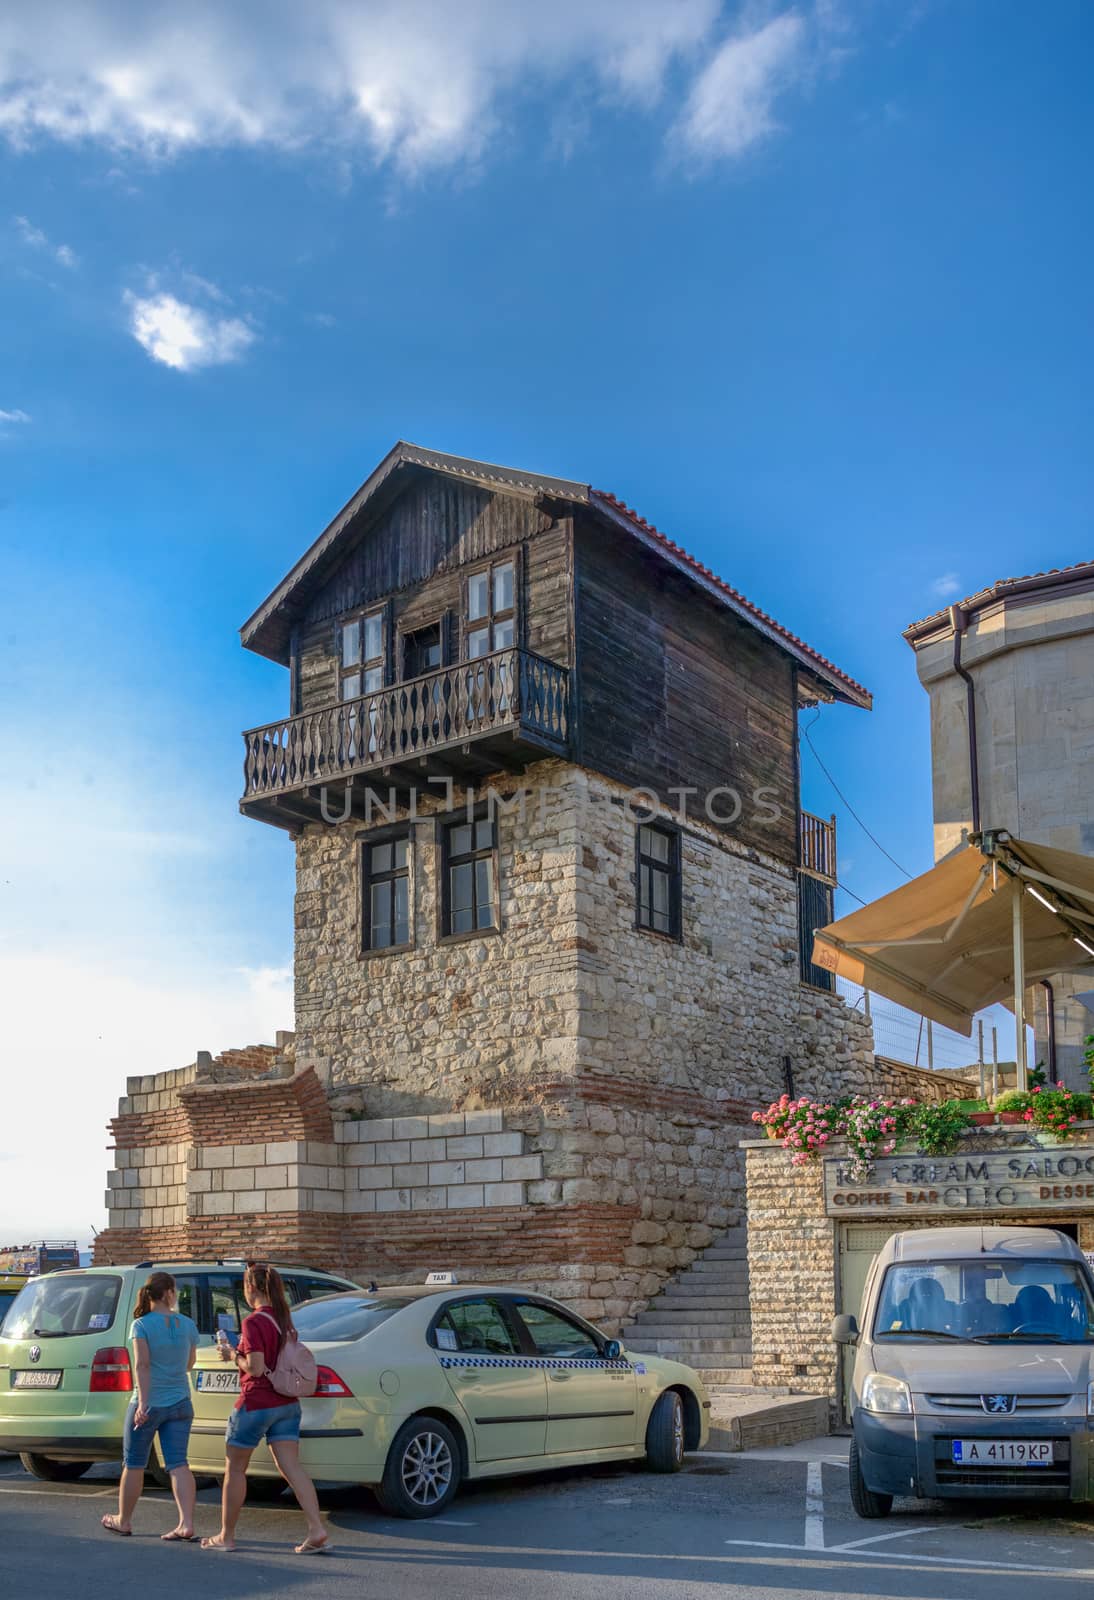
x=463, y=722
x=817, y=846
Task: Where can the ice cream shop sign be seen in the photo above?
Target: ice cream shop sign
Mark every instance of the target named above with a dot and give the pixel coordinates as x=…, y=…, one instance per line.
x=1026, y=1180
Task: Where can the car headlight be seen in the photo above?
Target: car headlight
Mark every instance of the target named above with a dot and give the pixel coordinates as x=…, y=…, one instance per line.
x=885, y=1394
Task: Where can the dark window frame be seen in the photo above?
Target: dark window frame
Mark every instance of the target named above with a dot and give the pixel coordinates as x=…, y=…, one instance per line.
x=445, y=825
x=406, y=633
x=367, y=842
x=673, y=869
x=492, y=617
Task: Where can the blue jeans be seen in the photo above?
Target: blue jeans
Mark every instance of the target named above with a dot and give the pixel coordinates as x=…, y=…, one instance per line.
x=172, y=1423
x=247, y=1429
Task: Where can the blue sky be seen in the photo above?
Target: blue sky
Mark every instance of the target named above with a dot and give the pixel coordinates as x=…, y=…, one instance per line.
x=808, y=286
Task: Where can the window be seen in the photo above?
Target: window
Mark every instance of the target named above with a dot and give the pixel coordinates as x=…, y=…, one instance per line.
x=361, y=663
x=555, y=1335
x=189, y=1292
x=475, y=1325
x=227, y=1305
x=59, y=1307
x=385, y=897
x=491, y=620
x=1044, y=1302
x=470, y=879
x=658, y=878
x=422, y=651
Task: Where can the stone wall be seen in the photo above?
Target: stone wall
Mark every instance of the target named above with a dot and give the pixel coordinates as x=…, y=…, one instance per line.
x=792, y=1261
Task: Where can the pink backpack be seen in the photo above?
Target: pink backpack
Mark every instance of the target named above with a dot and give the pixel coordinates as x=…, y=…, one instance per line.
x=296, y=1374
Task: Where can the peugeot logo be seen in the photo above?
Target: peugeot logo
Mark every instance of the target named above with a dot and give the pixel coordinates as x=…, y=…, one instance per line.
x=36, y=1352
x=999, y=1405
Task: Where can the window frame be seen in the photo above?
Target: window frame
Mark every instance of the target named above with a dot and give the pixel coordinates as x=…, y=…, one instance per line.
x=505, y=1316
x=673, y=870
x=364, y=664
x=366, y=842
x=406, y=632
x=445, y=824
x=491, y=617
x=527, y=1341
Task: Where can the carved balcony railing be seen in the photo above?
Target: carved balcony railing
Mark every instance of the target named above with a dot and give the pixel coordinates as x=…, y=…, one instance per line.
x=512, y=695
x=817, y=846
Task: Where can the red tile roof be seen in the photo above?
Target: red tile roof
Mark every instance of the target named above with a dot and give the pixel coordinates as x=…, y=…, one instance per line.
x=736, y=598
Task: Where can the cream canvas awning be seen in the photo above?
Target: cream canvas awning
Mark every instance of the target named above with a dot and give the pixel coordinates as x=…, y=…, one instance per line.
x=987, y=921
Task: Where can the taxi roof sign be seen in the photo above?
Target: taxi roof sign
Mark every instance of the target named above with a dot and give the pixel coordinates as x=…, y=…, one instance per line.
x=440, y=1280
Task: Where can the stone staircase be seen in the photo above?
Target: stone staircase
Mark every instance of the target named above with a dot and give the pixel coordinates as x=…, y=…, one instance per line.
x=701, y=1317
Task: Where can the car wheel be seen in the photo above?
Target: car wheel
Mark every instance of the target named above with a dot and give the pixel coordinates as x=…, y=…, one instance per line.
x=423, y=1469
x=54, y=1471
x=864, y=1500
x=665, y=1434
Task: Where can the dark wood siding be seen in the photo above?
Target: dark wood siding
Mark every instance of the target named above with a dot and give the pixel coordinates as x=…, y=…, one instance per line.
x=414, y=561
x=674, y=691
x=435, y=525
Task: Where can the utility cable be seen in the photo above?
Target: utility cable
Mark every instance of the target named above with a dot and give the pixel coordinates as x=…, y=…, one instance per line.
x=872, y=836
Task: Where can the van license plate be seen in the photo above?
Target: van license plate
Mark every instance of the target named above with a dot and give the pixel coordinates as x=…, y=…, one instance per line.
x=210, y=1381
x=35, y=1380
x=1002, y=1452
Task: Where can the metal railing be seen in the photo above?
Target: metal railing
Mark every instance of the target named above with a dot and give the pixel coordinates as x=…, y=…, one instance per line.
x=817, y=845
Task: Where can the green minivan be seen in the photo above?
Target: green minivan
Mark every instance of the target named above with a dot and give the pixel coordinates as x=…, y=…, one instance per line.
x=66, y=1375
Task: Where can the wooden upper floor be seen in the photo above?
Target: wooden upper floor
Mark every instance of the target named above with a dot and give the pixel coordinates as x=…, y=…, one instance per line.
x=457, y=618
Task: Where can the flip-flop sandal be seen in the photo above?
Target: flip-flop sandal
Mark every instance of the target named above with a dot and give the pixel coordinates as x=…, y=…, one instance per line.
x=321, y=1548
x=221, y=1549
x=111, y=1526
x=174, y=1537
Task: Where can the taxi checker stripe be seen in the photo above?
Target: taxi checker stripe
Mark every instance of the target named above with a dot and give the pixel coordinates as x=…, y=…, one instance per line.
x=536, y=1361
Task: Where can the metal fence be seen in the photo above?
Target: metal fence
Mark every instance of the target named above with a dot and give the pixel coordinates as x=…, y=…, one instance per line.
x=904, y=1035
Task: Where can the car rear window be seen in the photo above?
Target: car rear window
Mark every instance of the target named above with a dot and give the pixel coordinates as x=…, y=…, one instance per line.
x=349, y=1317
x=63, y=1306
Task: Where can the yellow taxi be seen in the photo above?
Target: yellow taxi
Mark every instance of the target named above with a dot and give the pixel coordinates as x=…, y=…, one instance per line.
x=420, y=1388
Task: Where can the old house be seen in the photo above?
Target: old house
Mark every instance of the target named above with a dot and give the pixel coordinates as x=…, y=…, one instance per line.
x=554, y=904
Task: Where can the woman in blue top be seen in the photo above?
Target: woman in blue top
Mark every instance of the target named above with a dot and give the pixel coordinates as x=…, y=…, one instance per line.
x=164, y=1345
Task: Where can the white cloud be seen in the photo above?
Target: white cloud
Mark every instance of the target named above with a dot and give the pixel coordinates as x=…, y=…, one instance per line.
x=36, y=239
x=416, y=83
x=731, y=104
x=7, y=417
x=946, y=586
x=185, y=336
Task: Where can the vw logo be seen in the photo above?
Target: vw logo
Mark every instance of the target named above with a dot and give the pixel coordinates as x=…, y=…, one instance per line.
x=35, y=1352
x=999, y=1405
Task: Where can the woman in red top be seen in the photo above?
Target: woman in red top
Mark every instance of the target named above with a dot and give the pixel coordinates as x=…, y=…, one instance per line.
x=262, y=1413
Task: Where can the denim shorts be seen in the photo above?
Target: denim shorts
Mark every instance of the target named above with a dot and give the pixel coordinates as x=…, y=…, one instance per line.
x=172, y=1423
x=247, y=1429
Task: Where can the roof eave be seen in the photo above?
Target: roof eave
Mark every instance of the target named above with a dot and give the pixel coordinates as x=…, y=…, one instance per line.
x=840, y=688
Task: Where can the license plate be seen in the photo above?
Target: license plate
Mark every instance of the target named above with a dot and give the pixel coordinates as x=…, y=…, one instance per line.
x=35, y=1380
x=1003, y=1452
x=210, y=1381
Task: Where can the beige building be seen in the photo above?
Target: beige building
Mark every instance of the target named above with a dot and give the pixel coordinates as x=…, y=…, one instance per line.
x=1010, y=674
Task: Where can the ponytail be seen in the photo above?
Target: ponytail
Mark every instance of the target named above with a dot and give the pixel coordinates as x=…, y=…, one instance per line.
x=265, y=1283
x=159, y=1285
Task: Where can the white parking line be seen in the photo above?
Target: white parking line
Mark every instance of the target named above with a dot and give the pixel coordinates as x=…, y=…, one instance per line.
x=898, y=1555
x=814, y=1506
x=68, y=1494
x=880, y=1538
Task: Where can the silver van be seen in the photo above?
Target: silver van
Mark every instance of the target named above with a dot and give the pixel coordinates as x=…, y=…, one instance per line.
x=973, y=1368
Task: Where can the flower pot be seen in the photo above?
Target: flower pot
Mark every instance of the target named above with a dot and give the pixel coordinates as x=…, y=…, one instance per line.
x=985, y=1119
x=1011, y=1117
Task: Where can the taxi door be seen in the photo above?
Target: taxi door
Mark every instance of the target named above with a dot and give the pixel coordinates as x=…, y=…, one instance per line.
x=503, y=1394
x=591, y=1402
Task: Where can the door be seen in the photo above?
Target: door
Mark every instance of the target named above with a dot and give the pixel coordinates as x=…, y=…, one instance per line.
x=590, y=1401
x=503, y=1394
x=859, y=1243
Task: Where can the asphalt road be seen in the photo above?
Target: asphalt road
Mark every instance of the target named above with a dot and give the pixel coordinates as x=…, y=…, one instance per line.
x=772, y=1524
